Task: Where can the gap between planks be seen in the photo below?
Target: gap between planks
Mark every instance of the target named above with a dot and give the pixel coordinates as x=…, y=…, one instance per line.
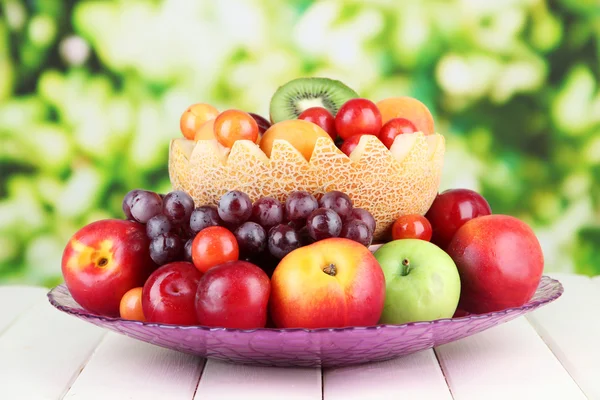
x=42, y=352
x=570, y=327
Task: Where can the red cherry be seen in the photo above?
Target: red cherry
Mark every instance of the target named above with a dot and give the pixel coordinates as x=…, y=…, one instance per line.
x=213, y=246
x=358, y=116
x=350, y=144
x=322, y=117
x=412, y=226
x=169, y=294
x=451, y=209
x=393, y=128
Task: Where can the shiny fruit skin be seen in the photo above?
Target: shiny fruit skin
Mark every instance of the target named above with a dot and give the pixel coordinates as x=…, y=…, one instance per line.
x=251, y=238
x=358, y=231
x=500, y=262
x=131, y=305
x=358, y=117
x=422, y=282
x=128, y=202
x=166, y=248
x=413, y=226
x=169, y=294
x=450, y=210
x=393, y=128
x=178, y=206
x=213, y=246
x=323, y=223
x=337, y=201
x=145, y=205
x=322, y=117
x=194, y=116
x=203, y=217
x=298, y=206
x=232, y=125
x=235, y=207
x=350, y=144
x=409, y=108
x=282, y=240
x=233, y=295
x=103, y=260
x=302, y=135
x=363, y=215
x=263, y=123
x=329, y=284
x=267, y=212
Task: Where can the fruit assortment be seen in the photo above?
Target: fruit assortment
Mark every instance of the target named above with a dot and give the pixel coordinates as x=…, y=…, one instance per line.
x=321, y=137
x=271, y=225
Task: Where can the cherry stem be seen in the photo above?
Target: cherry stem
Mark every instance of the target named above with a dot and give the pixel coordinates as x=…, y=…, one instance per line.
x=405, y=267
x=330, y=269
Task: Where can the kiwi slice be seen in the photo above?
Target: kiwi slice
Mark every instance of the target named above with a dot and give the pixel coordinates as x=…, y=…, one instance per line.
x=297, y=95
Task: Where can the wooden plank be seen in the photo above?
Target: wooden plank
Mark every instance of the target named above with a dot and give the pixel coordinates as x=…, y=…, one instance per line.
x=224, y=381
x=570, y=326
x=416, y=376
x=43, y=352
x=16, y=300
x=509, y=361
x=125, y=368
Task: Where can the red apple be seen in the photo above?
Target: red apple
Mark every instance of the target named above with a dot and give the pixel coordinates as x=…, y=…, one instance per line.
x=104, y=260
x=169, y=294
x=450, y=210
x=233, y=295
x=334, y=282
x=500, y=263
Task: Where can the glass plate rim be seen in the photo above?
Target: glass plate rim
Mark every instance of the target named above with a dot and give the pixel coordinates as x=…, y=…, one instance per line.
x=532, y=304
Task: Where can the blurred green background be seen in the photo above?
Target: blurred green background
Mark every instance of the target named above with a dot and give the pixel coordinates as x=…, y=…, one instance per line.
x=91, y=93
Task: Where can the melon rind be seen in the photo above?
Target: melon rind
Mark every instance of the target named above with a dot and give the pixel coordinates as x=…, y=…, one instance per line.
x=373, y=178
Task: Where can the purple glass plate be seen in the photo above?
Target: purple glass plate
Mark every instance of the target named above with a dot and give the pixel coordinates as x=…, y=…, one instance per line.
x=304, y=347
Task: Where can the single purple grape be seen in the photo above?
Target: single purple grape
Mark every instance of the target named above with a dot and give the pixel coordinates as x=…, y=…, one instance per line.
x=282, y=240
x=251, y=238
x=323, y=223
x=166, y=248
x=338, y=202
x=363, y=215
x=178, y=207
x=128, y=202
x=157, y=225
x=299, y=205
x=203, y=217
x=358, y=231
x=145, y=205
x=235, y=207
x=267, y=212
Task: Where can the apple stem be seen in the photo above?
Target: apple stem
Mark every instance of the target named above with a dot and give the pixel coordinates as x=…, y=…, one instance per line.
x=405, y=267
x=330, y=269
x=103, y=261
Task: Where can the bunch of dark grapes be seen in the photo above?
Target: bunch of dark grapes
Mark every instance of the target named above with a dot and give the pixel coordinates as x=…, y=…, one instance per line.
x=278, y=228
x=167, y=219
x=266, y=230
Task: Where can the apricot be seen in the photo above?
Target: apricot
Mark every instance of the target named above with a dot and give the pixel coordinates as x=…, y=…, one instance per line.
x=409, y=108
x=194, y=116
x=302, y=135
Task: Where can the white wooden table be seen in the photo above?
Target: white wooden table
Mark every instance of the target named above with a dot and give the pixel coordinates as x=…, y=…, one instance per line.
x=553, y=353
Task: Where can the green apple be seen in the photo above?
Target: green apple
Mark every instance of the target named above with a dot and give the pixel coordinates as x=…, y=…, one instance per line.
x=421, y=282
